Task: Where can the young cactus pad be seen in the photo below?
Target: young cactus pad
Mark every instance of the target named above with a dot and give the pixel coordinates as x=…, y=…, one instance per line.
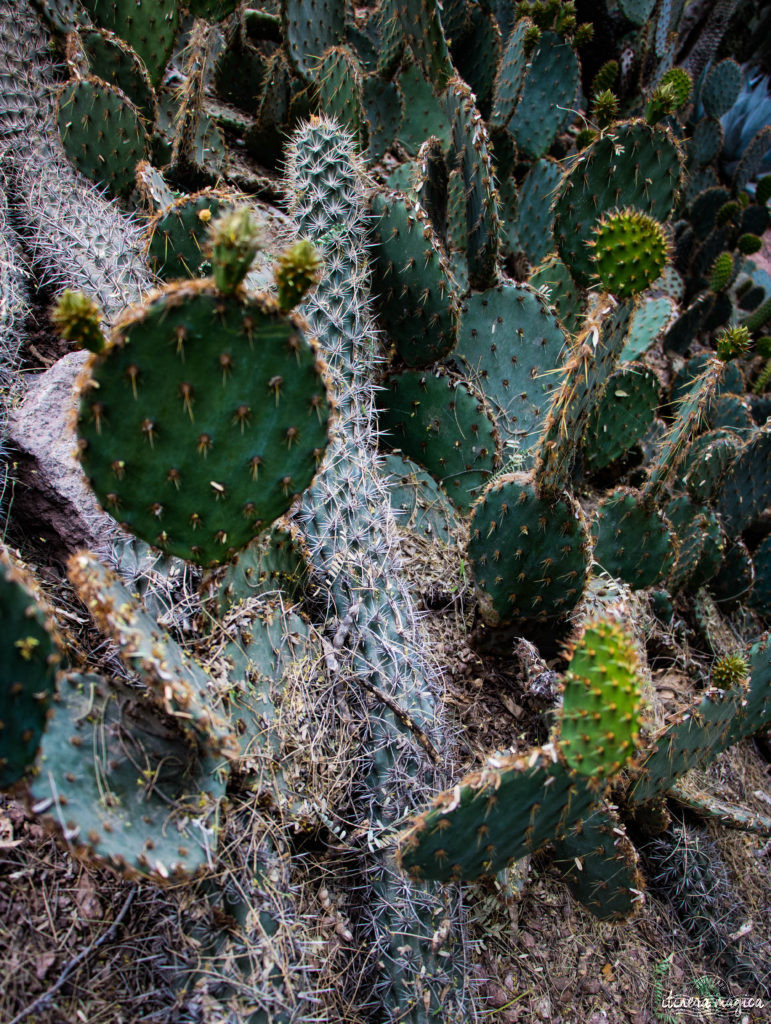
x=203, y=420
x=601, y=709
x=630, y=251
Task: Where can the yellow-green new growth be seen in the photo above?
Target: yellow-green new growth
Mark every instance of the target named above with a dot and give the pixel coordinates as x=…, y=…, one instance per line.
x=78, y=319
x=630, y=251
x=298, y=270
x=235, y=239
x=729, y=671
x=601, y=710
x=732, y=343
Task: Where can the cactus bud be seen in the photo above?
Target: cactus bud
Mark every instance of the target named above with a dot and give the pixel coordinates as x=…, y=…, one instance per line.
x=235, y=238
x=733, y=342
x=299, y=269
x=78, y=319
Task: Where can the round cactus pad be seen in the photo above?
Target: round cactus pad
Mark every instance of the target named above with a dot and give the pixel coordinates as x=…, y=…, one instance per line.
x=203, y=420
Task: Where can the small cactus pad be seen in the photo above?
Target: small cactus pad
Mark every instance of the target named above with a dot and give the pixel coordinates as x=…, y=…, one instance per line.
x=176, y=236
x=701, y=543
x=126, y=786
x=416, y=303
x=622, y=416
x=310, y=29
x=635, y=166
x=736, y=579
x=630, y=250
x=28, y=658
x=173, y=680
x=440, y=422
x=102, y=133
x=600, y=866
x=760, y=598
x=530, y=557
x=509, y=344
x=599, y=722
x=511, y=807
x=206, y=417
x=705, y=462
x=633, y=540
x=418, y=501
x=235, y=238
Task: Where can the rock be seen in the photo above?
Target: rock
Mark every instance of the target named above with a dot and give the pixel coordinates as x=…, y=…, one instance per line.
x=51, y=499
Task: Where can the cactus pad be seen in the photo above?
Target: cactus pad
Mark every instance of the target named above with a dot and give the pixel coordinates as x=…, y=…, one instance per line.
x=203, y=420
x=148, y=26
x=102, y=133
x=28, y=657
x=633, y=539
x=513, y=806
x=649, y=320
x=442, y=424
x=747, y=483
x=419, y=502
x=600, y=866
x=599, y=722
x=176, y=237
x=417, y=305
x=174, y=682
x=630, y=250
x=622, y=416
x=635, y=166
x=530, y=557
x=113, y=61
x=125, y=785
x=509, y=344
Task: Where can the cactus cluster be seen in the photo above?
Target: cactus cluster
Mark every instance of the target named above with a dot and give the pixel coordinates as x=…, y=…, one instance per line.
x=518, y=313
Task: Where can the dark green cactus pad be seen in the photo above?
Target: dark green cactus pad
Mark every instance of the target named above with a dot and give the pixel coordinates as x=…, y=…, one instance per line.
x=383, y=109
x=528, y=219
x=760, y=599
x=419, y=502
x=731, y=412
x=391, y=36
x=310, y=28
x=340, y=88
x=721, y=88
x=422, y=28
x=426, y=113
x=530, y=558
x=706, y=141
x=432, y=186
x=755, y=710
x=635, y=166
x=175, y=238
x=62, y=15
x=412, y=280
x=548, y=94
x=735, y=579
x=600, y=866
x=691, y=739
x=706, y=461
x=681, y=334
x=102, y=133
x=622, y=416
x=207, y=416
x=704, y=209
x=511, y=74
x=470, y=154
x=125, y=784
x=438, y=421
x=747, y=484
x=274, y=561
x=28, y=661
x=509, y=344
x=113, y=61
x=512, y=807
x=752, y=158
x=476, y=52
x=553, y=280
x=701, y=543
x=638, y=11
x=148, y=26
x=174, y=681
x=633, y=540
x=600, y=718
x=648, y=322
